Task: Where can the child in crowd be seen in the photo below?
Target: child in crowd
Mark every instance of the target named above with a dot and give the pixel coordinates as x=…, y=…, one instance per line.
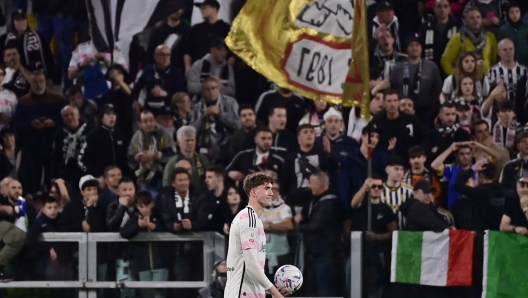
x=147, y=257
x=48, y=267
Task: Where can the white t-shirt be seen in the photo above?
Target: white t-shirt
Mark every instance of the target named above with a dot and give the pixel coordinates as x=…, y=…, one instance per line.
x=87, y=50
x=483, y=88
x=277, y=243
x=247, y=232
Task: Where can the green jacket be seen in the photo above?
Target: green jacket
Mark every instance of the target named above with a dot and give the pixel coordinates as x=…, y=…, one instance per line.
x=520, y=39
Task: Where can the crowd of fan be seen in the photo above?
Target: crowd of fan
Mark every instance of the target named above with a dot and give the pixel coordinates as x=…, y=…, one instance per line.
x=164, y=142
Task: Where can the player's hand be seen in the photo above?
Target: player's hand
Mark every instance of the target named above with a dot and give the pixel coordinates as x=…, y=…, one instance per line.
x=284, y=292
x=266, y=224
x=327, y=145
x=298, y=218
x=521, y=231
x=53, y=254
x=392, y=143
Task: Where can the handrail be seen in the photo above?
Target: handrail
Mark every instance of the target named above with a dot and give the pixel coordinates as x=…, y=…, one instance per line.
x=213, y=250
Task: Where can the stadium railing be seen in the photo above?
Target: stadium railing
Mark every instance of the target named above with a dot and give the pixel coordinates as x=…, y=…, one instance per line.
x=87, y=284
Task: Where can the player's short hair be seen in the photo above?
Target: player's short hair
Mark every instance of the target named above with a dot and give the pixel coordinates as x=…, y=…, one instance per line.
x=322, y=177
x=255, y=180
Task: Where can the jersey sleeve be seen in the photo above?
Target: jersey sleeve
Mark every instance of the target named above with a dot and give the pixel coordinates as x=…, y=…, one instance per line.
x=248, y=231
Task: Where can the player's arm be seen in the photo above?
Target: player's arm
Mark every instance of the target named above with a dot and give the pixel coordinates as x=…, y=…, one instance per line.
x=248, y=240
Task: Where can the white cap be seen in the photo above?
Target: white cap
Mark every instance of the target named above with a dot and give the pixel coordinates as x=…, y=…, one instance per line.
x=332, y=112
x=87, y=179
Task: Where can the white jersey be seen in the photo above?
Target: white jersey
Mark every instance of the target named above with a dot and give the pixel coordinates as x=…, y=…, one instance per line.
x=247, y=232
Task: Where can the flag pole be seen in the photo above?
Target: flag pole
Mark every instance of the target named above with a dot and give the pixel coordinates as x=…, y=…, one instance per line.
x=369, y=175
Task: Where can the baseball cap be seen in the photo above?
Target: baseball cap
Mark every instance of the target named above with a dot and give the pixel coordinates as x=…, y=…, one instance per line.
x=424, y=186
x=461, y=105
x=18, y=13
x=370, y=128
x=384, y=6
x=106, y=108
x=87, y=181
x=212, y=3
x=411, y=40
x=165, y=111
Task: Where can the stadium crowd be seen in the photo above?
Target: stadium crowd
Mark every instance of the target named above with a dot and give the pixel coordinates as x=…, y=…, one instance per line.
x=162, y=141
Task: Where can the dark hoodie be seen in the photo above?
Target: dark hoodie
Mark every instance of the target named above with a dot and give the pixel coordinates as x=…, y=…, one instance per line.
x=422, y=217
x=487, y=201
x=518, y=33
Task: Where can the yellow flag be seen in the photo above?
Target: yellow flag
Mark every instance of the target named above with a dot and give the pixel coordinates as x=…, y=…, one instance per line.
x=357, y=89
x=302, y=45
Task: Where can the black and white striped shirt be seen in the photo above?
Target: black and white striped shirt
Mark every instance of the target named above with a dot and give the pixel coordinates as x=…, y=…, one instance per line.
x=394, y=197
x=509, y=76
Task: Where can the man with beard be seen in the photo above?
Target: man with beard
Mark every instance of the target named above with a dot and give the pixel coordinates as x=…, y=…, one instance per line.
x=418, y=79
x=436, y=31
x=294, y=104
x=174, y=33
x=17, y=77
x=149, y=151
x=516, y=168
x=35, y=50
x=215, y=120
x=160, y=80
x=407, y=106
x=38, y=114
x=485, y=148
x=353, y=168
x=471, y=37
x=282, y=138
x=246, y=115
x=384, y=56
x=263, y=157
x=301, y=163
x=67, y=145
x=446, y=132
x=333, y=141
x=392, y=123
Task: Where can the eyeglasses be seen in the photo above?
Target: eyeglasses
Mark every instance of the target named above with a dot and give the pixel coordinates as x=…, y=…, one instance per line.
x=378, y=186
x=523, y=183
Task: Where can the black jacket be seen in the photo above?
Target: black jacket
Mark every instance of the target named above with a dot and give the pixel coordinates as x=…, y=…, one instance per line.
x=322, y=222
x=283, y=140
x=243, y=162
x=511, y=172
x=201, y=35
x=407, y=129
x=75, y=212
x=488, y=202
x=433, y=41
x=26, y=172
x=296, y=172
x=70, y=170
x=422, y=217
x=115, y=215
x=42, y=224
x=145, y=255
x=171, y=214
x=124, y=110
x=440, y=143
x=104, y=147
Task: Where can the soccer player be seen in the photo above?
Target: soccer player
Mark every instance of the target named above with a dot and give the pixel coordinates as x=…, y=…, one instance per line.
x=247, y=243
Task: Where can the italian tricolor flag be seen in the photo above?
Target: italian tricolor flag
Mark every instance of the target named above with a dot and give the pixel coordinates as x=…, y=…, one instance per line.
x=433, y=259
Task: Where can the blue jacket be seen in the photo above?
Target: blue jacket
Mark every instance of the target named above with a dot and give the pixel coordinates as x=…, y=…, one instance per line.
x=354, y=170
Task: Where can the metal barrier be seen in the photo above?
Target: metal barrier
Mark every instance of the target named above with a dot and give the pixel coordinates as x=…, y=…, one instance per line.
x=356, y=265
x=82, y=240
x=213, y=250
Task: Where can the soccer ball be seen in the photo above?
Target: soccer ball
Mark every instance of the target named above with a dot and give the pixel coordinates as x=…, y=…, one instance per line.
x=289, y=277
